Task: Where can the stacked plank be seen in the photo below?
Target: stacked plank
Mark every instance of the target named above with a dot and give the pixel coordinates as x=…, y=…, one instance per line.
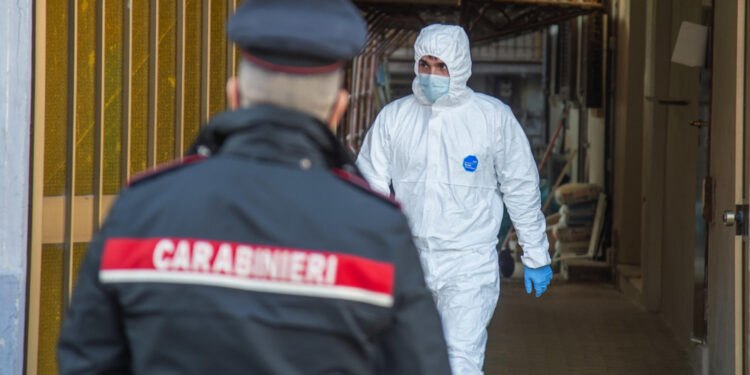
x=577, y=214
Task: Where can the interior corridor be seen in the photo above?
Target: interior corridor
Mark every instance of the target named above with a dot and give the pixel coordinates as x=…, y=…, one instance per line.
x=578, y=328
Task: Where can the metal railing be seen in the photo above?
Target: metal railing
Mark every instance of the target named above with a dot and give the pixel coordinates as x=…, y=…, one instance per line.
x=382, y=40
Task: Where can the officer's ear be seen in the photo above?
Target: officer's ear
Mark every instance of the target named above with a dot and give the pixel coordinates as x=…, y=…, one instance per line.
x=338, y=110
x=233, y=93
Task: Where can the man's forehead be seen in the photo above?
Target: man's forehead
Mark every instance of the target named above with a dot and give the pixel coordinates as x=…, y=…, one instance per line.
x=431, y=58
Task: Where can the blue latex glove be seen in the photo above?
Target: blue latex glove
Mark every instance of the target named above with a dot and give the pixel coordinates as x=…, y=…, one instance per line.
x=539, y=278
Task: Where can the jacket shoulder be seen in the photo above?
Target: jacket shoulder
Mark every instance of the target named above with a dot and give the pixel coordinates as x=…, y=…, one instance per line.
x=393, y=114
x=488, y=100
x=494, y=108
x=401, y=101
x=396, y=105
x=165, y=168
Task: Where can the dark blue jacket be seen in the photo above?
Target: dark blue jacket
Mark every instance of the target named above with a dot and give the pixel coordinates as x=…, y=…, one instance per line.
x=268, y=257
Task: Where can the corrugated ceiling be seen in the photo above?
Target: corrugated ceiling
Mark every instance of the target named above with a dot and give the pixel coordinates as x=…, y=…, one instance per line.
x=484, y=20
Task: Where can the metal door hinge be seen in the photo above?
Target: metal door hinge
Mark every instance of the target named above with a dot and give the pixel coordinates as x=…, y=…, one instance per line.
x=737, y=218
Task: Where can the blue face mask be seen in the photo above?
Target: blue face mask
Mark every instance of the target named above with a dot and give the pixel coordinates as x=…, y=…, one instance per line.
x=434, y=86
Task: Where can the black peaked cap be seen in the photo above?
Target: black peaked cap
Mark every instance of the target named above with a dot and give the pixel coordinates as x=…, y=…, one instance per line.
x=298, y=33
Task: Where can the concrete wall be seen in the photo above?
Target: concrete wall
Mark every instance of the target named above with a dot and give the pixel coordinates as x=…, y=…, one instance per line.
x=681, y=160
x=630, y=23
x=15, y=129
x=669, y=166
x=658, y=52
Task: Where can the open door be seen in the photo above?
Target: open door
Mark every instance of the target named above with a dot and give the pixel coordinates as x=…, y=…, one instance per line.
x=727, y=253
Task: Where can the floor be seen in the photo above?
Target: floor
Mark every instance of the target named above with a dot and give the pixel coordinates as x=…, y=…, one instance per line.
x=580, y=329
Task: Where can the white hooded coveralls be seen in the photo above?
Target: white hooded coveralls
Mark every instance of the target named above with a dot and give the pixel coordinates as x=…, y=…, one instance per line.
x=452, y=165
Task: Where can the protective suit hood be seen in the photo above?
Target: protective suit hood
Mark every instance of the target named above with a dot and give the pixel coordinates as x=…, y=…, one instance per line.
x=450, y=44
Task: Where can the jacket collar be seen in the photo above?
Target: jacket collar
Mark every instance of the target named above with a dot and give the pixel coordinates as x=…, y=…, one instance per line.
x=274, y=134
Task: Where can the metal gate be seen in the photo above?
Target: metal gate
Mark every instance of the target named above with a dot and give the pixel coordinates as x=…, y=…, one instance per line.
x=119, y=86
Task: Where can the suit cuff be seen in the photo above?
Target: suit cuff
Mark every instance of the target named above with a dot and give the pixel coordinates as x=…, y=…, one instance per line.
x=535, y=257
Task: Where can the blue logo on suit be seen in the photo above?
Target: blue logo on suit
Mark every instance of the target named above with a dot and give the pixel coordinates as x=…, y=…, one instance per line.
x=470, y=163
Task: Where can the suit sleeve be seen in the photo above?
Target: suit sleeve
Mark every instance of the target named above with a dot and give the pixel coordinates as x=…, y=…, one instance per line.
x=374, y=159
x=92, y=339
x=518, y=178
x=415, y=343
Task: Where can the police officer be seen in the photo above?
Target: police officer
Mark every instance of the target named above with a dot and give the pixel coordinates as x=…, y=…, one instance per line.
x=264, y=252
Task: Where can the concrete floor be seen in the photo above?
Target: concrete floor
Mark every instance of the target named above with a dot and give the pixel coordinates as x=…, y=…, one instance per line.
x=578, y=329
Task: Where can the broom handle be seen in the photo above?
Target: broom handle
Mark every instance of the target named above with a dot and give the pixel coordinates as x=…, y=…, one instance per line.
x=559, y=179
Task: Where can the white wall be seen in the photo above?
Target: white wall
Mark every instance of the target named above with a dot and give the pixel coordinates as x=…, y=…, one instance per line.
x=15, y=129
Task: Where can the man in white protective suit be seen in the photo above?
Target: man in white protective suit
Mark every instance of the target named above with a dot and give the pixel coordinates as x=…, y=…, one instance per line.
x=453, y=157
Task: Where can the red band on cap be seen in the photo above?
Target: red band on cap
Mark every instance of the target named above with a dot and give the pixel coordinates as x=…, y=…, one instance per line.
x=303, y=70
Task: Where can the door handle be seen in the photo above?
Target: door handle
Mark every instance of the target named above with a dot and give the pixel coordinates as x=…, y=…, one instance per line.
x=729, y=218
x=737, y=218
